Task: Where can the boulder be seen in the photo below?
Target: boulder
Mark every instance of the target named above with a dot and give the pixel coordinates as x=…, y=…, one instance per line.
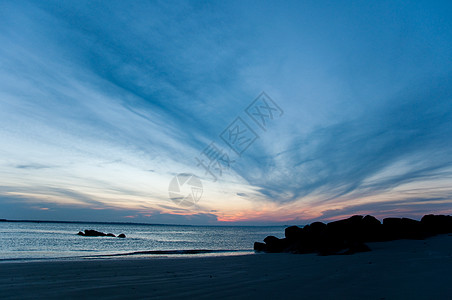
x=315, y=237
x=317, y=228
x=370, y=222
x=402, y=228
x=371, y=229
x=347, y=229
x=437, y=224
x=293, y=233
x=275, y=245
x=90, y=232
x=349, y=235
x=330, y=245
x=260, y=247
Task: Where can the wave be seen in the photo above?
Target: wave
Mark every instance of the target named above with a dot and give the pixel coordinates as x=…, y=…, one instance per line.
x=170, y=252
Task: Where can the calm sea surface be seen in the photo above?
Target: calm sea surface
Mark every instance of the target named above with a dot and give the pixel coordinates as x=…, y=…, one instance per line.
x=26, y=240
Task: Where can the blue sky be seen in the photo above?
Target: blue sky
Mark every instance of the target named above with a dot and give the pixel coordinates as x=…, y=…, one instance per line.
x=102, y=103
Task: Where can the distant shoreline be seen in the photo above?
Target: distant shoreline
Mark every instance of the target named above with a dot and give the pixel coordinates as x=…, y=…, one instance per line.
x=131, y=223
x=87, y=222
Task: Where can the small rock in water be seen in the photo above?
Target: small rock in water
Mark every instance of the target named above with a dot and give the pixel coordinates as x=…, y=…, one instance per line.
x=90, y=232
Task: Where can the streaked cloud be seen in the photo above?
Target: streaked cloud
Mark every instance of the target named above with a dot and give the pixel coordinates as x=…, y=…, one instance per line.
x=101, y=105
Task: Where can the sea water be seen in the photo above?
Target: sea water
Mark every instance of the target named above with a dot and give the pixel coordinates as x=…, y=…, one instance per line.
x=42, y=240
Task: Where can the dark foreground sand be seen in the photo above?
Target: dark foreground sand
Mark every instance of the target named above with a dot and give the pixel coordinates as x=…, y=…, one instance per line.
x=393, y=270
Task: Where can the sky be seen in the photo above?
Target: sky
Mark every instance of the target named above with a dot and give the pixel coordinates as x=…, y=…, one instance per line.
x=262, y=112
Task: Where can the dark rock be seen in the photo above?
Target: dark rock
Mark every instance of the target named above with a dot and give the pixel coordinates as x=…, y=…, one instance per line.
x=260, y=247
x=330, y=245
x=90, y=232
x=347, y=229
x=349, y=235
x=357, y=247
x=298, y=239
x=437, y=224
x=271, y=240
x=275, y=245
x=317, y=228
x=371, y=230
x=370, y=221
x=315, y=237
x=293, y=233
x=403, y=228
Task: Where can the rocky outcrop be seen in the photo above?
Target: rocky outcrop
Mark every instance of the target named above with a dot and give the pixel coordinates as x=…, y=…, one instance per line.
x=403, y=228
x=437, y=224
x=92, y=233
x=349, y=236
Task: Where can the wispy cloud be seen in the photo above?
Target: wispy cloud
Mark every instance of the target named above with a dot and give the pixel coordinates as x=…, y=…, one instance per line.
x=33, y=166
x=102, y=104
x=404, y=140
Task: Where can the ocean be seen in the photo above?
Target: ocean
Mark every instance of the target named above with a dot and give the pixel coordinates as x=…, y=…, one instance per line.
x=49, y=240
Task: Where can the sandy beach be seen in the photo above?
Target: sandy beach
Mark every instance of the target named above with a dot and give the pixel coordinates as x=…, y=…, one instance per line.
x=403, y=269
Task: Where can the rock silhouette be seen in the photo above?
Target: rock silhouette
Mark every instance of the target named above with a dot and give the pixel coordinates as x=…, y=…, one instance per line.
x=349, y=235
x=92, y=233
x=437, y=224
